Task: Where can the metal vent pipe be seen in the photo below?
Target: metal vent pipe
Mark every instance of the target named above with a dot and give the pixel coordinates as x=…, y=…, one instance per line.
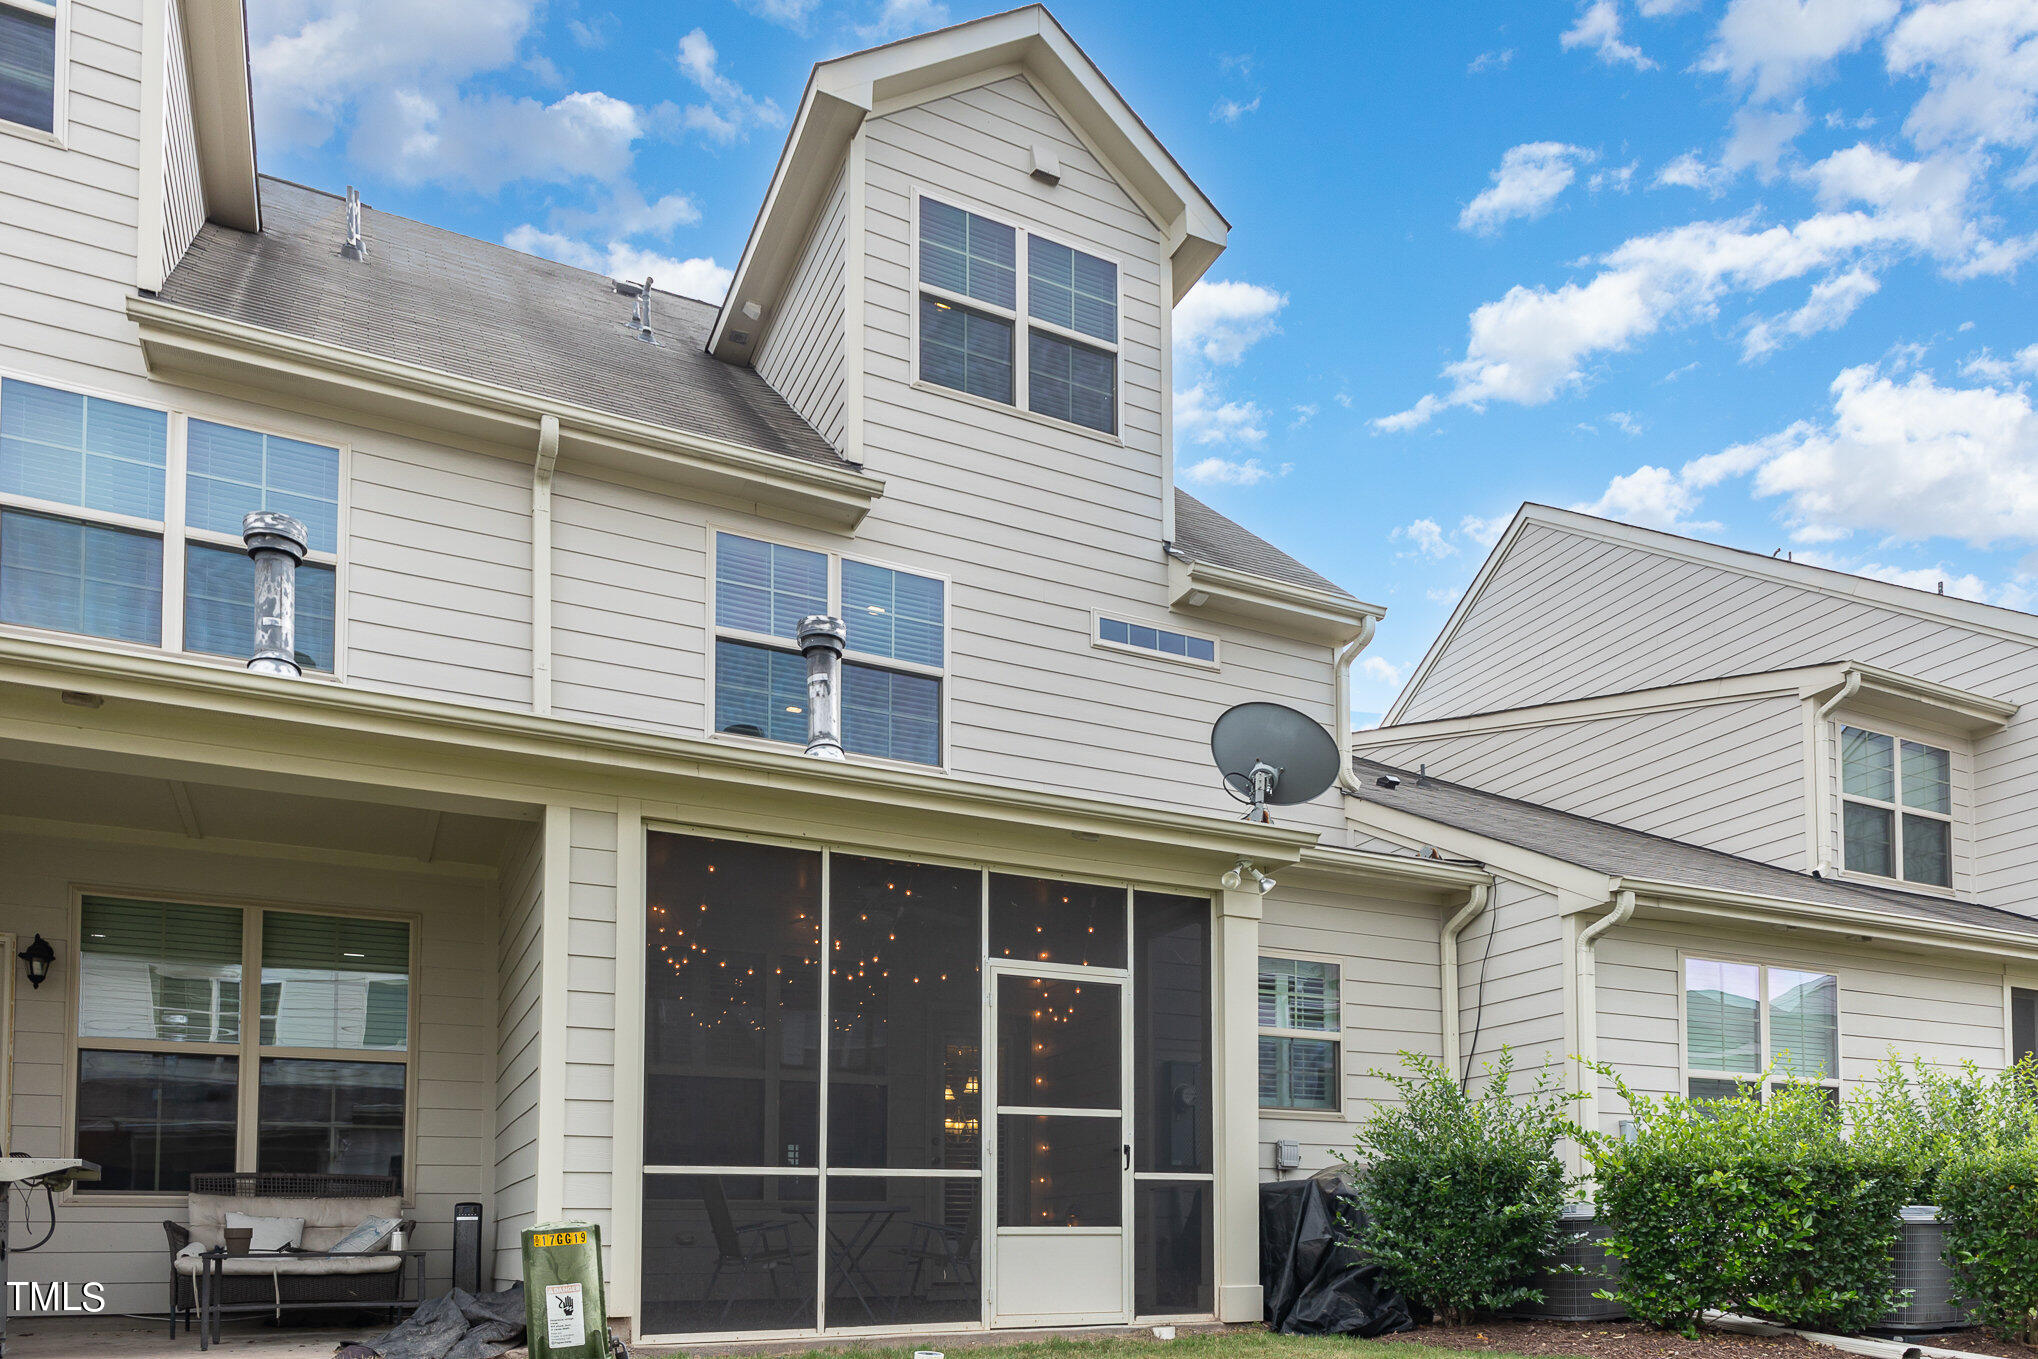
x=277, y=544
x=822, y=638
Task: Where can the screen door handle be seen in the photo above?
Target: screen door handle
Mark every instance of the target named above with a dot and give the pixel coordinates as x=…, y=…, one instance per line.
x=1128, y=1155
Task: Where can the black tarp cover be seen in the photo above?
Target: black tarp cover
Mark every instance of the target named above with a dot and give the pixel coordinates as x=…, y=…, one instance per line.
x=460, y=1325
x=1313, y=1284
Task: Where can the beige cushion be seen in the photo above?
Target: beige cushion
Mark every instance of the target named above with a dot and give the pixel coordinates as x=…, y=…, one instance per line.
x=288, y=1265
x=325, y=1220
x=268, y=1233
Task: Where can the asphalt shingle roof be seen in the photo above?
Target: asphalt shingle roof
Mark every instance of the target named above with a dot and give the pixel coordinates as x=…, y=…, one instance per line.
x=1617, y=850
x=432, y=297
x=1204, y=535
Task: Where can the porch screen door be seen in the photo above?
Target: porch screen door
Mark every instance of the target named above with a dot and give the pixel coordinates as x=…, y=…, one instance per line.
x=1063, y=1150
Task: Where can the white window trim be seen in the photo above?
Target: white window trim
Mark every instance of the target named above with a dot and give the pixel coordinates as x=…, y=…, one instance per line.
x=1097, y=617
x=1686, y=1072
x=59, y=134
x=249, y=1050
x=1020, y=318
x=1897, y=735
x=1335, y=1037
x=717, y=632
x=175, y=533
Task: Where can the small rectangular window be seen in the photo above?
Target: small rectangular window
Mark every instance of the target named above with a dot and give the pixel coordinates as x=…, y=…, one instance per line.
x=82, y=451
x=166, y=973
x=71, y=576
x=233, y=471
x=760, y=691
x=767, y=588
x=1896, y=808
x=334, y=982
x=1300, y=1034
x=890, y=714
x=892, y=613
x=1072, y=382
x=28, y=65
x=1741, y=1019
x=1072, y=290
x=968, y=255
x=967, y=350
x=1161, y=641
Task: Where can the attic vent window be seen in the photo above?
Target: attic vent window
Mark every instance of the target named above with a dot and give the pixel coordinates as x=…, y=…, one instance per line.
x=1117, y=634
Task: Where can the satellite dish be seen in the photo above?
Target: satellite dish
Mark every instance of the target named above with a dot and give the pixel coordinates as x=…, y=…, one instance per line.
x=1270, y=755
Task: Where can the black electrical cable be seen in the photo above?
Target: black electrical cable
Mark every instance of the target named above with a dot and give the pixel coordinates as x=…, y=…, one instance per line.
x=1479, y=1001
x=49, y=1206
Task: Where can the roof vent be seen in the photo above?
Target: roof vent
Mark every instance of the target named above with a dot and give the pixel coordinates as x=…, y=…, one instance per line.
x=355, y=248
x=640, y=315
x=1045, y=164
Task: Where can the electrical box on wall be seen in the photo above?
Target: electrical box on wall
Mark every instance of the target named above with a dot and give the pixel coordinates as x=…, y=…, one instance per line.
x=1287, y=1154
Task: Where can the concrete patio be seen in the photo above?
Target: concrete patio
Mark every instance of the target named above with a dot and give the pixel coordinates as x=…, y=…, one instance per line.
x=112, y=1337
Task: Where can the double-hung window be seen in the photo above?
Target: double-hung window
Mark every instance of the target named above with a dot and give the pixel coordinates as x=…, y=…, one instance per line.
x=29, y=42
x=93, y=542
x=1050, y=347
x=219, y=1038
x=1299, y=1034
x=892, y=671
x=1742, y=1019
x=1897, y=807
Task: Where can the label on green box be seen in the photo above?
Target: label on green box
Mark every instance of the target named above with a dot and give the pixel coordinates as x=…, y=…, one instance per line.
x=564, y=1312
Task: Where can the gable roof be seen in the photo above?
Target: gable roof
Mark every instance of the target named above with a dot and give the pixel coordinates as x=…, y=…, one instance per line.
x=842, y=92
x=458, y=305
x=1204, y=535
x=1618, y=851
x=1844, y=585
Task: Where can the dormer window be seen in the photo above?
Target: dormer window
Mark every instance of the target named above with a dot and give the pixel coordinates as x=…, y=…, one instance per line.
x=971, y=308
x=1896, y=807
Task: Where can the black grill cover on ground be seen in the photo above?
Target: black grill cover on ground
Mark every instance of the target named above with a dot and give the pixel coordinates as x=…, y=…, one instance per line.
x=460, y=1325
x=1313, y=1285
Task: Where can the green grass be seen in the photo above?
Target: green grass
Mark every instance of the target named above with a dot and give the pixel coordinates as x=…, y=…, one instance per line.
x=1244, y=1344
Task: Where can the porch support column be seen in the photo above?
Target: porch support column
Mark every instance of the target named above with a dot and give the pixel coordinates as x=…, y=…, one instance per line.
x=1237, y=977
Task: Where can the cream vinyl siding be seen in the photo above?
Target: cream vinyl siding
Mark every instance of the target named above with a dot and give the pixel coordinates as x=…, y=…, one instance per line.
x=518, y=979
x=1521, y=1002
x=122, y=1245
x=1729, y=776
x=1386, y=952
x=183, y=194
x=590, y=999
x=802, y=356
x=1037, y=524
x=69, y=214
x=439, y=572
x=1944, y=1012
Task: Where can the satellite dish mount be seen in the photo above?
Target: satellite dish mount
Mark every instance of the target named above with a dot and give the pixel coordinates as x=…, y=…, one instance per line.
x=1271, y=756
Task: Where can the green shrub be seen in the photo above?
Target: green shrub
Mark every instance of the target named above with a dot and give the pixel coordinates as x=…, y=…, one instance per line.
x=1930, y=1117
x=1988, y=1203
x=1749, y=1205
x=1462, y=1192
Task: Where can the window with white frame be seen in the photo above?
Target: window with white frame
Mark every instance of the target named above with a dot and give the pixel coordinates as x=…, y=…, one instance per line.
x=1744, y=1019
x=28, y=64
x=892, y=671
x=85, y=519
x=176, y=1077
x=1896, y=807
x=1181, y=646
x=972, y=308
x=1299, y=1034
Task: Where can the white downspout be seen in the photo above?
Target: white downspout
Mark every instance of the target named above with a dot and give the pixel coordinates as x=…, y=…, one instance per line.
x=1588, y=1001
x=1346, y=779
x=1821, y=865
x=1447, y=956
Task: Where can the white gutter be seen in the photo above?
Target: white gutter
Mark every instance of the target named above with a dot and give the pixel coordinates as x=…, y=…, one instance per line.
x=1851, y=687
x=1346, y=779
x=1588, y=1001
x=1447, y=956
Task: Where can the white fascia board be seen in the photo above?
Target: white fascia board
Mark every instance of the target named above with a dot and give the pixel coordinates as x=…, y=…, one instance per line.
x=1909, y=698
x=1554, y=875
x=1401, y=875
x=222, y=109
x=1299, y=612
x=1794, y=683
x=1708, y=903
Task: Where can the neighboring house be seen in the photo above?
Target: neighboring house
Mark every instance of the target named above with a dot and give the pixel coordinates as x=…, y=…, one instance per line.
x=525, y=892
x=1752, y=814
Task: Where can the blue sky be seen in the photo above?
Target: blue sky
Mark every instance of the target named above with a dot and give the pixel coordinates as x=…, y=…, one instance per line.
x=1763, y=271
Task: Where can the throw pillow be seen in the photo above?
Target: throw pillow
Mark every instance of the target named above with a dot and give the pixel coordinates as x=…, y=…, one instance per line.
x=367, y=1236
x=271, y=1233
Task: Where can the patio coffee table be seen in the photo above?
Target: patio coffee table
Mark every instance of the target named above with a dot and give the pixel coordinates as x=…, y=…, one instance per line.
x=409, y=1289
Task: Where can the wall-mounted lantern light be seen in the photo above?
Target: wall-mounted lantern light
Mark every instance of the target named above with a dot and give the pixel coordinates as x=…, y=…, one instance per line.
x=38, y=955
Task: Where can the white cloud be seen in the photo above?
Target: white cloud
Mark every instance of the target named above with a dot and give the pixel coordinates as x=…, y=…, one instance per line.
x=1617, y=178
x=1485, y=532
x=592, y=35
x=1937, y=579
x=1761, y=138
x=1202, y=416
x=1219, y=320
x=1231, y=110
x=1831, y=302
x=897, y=18
x=792, y=14
x=1444, y=594
x=1490, y=61
x=1662, y=9
x=729, y=112
x=1691, y=171
x=1426, y=538
x=1775, y=47
x=701, y=278
x=1989, y=368
x=1534, y=343
x=1654, y=497
x=1303, y=414
x=1598, y=27
x=486, y=141
x=1529, y=179
x=1380, y=668
x=1979, y=60
x=1625, y=422
x=1216, y=471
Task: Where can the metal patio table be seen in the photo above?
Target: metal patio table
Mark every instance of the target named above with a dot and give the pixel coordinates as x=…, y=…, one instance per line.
x=849, y=1253
x=409, y=1286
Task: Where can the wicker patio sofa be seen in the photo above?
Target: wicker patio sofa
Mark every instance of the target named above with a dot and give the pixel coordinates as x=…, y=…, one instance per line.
x=331, y=1206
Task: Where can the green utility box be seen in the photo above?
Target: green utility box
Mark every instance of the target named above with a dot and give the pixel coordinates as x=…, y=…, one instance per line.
x=565, y=1315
